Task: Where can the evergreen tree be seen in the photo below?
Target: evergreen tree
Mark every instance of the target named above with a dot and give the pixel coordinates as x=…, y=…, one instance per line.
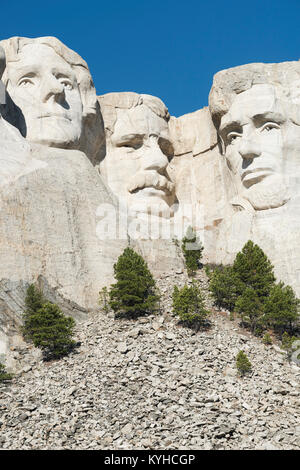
x=254, y=270
x=282, y=307
x=242, y=363
x=46, y=326
x=135, y=293
x=224, y=286
x=250, y=306
x=290, y=344
x=192, y=251
x=104, y=299
x=34, y=301
x=4, y=376
x=267, y=340
x=188, y=304
x=52, y=331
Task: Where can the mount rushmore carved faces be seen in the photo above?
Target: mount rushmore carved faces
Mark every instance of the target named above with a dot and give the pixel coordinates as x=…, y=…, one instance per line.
x=52, y=87
x=260, y=138
x=138, y=151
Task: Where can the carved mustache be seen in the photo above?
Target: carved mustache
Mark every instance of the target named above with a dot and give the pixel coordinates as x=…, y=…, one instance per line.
x=150, y=179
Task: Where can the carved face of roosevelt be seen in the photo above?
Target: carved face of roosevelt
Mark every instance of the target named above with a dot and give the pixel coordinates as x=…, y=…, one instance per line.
x=262, y=146
x=44, y=87
x=138, y=153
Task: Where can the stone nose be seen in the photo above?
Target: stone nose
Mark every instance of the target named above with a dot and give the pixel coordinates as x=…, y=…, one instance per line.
x=153, y=157
x=249, y=148
x=52, y=88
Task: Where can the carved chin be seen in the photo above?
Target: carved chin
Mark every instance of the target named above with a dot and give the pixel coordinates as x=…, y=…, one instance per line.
x=50, y=134
x=268, y=194
x=150, y=204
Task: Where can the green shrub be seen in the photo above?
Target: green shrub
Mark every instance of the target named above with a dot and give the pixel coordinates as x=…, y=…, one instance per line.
x=104, y=299
x=4, y=376
x=250, y=307
x=267, y=340
x=243, y=364
x=34, y=301
x=46, y=325
x=192, y=251
x=289, y=344
x=224, y=286
x=53, y=331
x=248, y=287
x=188, y=304
x=281, y=308
x=135, y=293
x=254, y=270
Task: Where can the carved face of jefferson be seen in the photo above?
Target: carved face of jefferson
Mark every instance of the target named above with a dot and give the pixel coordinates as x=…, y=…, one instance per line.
x=44, y=86
x=260, y=145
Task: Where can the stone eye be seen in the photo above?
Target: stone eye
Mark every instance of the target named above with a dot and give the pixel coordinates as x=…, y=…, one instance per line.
x=25, y=82
x=270, y=126
x=133, y=144
x=67, y=84
x=231, y=137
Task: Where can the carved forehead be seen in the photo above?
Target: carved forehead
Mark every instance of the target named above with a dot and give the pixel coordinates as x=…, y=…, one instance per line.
x=227, y=84
x=257, y=101
x=139, y=120
x=38, y=56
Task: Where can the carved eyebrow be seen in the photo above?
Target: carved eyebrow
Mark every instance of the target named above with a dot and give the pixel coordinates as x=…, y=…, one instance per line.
x=63, y=72
x=123, y=139
x=26, y=70
x=230, y=126
x=269, y=116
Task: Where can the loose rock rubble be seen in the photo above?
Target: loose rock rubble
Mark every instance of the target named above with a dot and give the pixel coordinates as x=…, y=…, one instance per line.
x=153, y=384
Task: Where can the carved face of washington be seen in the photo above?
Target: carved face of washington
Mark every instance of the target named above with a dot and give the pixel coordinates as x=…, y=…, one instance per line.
x=138, y=152
x=260, y=144
x=44, y=86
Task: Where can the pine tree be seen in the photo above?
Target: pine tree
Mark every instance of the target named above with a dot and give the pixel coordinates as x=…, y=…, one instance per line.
x=282, y=307
x=52, y=331
x=267, y=340
x=46, y=326
x=242, y=363
x=224, y=286
x=250, y=306
x=104, y=299
x=135, y=293
x=34, y=301
x=192, y=251
x=188, y=304
x=254, y=270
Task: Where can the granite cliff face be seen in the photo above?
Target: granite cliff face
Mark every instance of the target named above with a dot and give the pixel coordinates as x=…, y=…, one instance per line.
x=82, y=176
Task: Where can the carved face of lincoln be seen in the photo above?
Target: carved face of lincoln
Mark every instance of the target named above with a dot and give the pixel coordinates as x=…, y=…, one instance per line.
x=138, y=153
x=44, y=86
x=262, y=146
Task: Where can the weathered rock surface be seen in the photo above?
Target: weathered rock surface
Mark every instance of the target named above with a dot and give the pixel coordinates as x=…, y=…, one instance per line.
x=152, y=384
x=247, y=186
x=49, y=233
x=235, y=168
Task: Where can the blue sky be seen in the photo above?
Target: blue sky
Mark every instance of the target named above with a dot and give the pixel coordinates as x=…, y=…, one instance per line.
x=167, y=48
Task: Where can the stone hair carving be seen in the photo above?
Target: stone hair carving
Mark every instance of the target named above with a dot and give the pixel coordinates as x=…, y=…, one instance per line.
x=256, y=110
x=54, y=98
x=138, y=150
